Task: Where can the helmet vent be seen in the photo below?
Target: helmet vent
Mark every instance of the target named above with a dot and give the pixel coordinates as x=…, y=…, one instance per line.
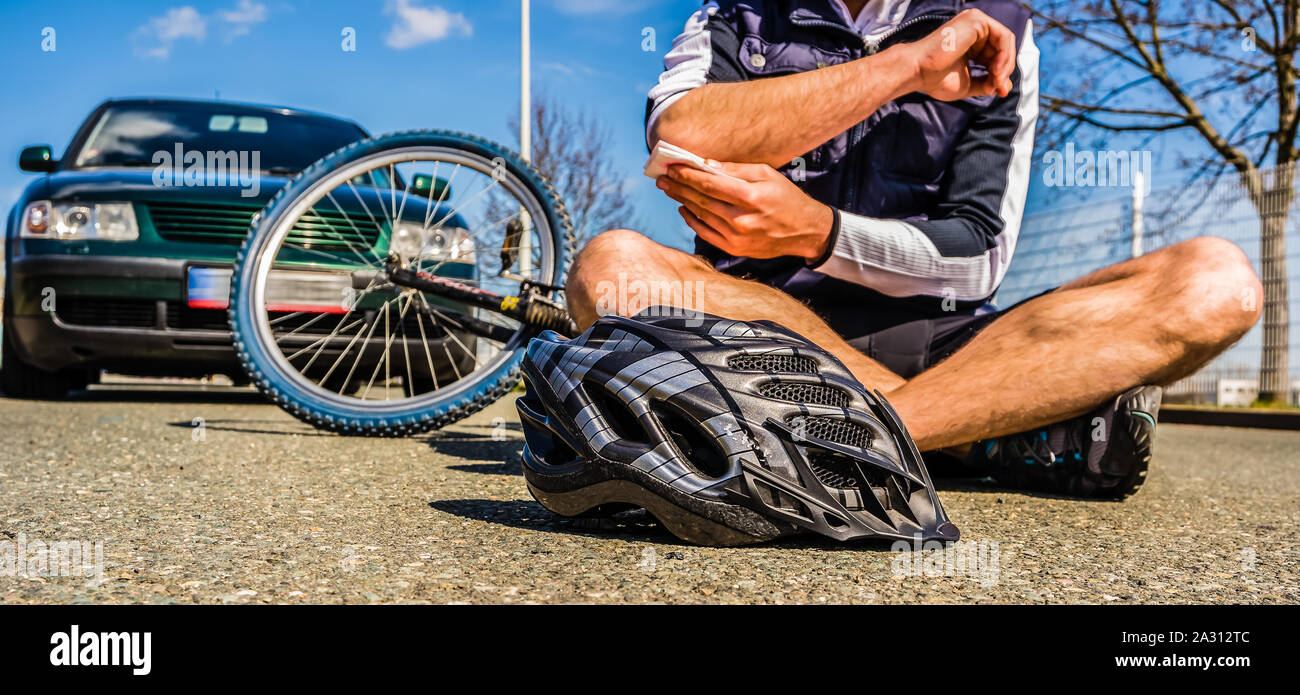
x=832, y=430
x=787, y=364
x=559, y=454
x=816, y=394
x=773, y=497
x=622, y=422
x=883, y=491
x=834, y=470
x=698, y=449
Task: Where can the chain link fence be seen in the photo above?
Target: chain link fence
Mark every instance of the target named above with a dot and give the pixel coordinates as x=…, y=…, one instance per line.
x=1061, y=244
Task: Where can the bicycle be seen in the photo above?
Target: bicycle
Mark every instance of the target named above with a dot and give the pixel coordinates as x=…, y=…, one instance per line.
x=452, y=246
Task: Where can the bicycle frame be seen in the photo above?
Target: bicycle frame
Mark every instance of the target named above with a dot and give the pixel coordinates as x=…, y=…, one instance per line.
x=530, y=307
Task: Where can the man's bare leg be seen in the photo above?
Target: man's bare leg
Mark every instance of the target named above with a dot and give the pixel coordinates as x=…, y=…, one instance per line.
x=1150, y=320
x=625, y=256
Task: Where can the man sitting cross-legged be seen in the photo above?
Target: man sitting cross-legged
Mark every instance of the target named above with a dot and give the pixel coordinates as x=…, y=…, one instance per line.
x=888, y=149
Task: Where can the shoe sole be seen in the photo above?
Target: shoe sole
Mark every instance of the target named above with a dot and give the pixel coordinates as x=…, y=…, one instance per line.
x=1138, y=408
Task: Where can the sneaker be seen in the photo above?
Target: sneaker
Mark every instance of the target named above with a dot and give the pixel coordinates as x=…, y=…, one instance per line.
x=1104, y=454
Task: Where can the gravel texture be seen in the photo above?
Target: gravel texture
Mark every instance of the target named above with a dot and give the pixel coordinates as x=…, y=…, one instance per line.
x=256, y=507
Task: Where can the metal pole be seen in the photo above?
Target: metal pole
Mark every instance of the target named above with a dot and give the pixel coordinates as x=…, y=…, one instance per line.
x=525, y=132
x=525, y=95
x=1138, y=188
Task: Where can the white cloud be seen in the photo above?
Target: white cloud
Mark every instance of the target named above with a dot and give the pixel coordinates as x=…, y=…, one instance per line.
x=242, y=18
x=156, y=37
x=416, y=25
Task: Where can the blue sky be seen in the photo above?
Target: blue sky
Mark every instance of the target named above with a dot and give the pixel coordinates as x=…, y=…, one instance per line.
x=418, y=64
x=454, y=65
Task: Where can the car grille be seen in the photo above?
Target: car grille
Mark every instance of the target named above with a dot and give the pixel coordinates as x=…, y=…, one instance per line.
x=186, y=318
x=228, y=224
x=107, y=312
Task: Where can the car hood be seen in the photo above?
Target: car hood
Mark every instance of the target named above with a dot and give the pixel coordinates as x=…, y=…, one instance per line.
x=144, y=183
x=140, y=185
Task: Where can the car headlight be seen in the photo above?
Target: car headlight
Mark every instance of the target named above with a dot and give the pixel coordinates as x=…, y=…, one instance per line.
x=116, y=221
x=80, y=221
x=413, y=242
x=407, y=240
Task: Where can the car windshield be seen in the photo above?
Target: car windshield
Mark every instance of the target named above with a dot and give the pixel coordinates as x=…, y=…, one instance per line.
x=139, y=135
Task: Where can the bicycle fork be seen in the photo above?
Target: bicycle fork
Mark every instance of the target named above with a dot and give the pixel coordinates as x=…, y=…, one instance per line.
x=530, y=307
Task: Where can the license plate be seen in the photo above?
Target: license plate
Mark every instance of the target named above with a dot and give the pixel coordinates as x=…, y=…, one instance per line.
x=286, y=290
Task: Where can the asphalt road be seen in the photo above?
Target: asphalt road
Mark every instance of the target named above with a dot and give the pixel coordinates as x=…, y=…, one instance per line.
x=255, y=507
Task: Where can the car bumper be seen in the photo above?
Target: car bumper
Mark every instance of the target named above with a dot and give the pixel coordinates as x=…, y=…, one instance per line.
x=97, y=292
x=127, y=314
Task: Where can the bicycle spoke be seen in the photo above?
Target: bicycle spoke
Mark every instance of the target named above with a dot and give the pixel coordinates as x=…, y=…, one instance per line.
x=339, y=236
x=285, y=318
x=428, y=214
x=378, y=228
x=424, y=339
x=383, y=361
x=388, y=331
x=451, y=359
x=392, y=194
x=362, y=351
x=455, y=212
x=349, y=348
x=450, y=334
x=406, y=351
x=463, y=235
x=397, y=215
x=365, y=207
x=351, y=310
x=304, y=326
x=475, y=242
x=321, y=341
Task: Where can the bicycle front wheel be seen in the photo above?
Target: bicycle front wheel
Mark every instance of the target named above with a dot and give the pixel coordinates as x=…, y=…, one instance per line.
x=322, y=331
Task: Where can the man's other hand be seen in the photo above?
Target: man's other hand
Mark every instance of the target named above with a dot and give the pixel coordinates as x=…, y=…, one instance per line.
x=943, y=58
x=762, y=215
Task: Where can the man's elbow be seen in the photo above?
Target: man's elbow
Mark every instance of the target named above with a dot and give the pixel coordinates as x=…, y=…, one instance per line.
x=686, y=122
x=689, y=124
x=673, y=127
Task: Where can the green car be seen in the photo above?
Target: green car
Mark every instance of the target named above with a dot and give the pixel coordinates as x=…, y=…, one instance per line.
x=118, y=257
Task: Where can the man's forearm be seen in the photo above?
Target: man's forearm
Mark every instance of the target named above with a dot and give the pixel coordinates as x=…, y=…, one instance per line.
x=771, y=121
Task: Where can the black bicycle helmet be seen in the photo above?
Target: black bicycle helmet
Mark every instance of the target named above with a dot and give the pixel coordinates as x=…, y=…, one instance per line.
x=728, y=432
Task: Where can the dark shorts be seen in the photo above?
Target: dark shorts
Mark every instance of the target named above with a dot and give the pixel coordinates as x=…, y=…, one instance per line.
x=908, y=335
x=910, y=348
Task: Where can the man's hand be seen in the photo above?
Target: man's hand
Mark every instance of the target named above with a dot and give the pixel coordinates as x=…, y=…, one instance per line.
x=763, y=215
x=943, y=58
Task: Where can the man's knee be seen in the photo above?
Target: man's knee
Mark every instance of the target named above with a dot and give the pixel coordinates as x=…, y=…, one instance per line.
x=602, y=253
x=613, y=264
x=1219, y=296
x=606, y=255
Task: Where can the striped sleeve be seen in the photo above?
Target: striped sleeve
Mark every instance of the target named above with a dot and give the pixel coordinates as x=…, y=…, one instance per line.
x=963, y=249
x=706, y=51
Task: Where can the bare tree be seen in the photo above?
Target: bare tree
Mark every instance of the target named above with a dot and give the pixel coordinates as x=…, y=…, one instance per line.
x=572, y=148
x=1221, y=70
